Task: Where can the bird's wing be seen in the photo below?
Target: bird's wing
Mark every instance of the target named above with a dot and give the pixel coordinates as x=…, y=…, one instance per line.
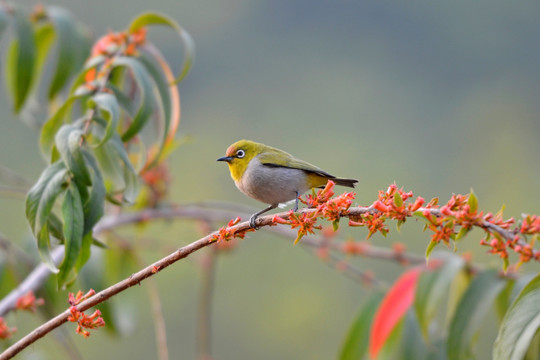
x=278, y=158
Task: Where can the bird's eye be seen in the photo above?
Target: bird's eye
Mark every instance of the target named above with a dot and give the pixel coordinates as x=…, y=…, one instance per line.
x=240, y=153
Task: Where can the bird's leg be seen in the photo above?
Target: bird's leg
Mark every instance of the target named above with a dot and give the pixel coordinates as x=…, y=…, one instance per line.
x=296, y=202
x=253, y=217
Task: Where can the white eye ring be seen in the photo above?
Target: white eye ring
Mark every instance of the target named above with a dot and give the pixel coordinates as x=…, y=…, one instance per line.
x=240, y=153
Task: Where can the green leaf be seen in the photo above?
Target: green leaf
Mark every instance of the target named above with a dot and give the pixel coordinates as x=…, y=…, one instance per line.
x=144, y=82
x=462, y=232
x=335, y=225
x=123, y=175
x=355, y=344
x=398, y=200
x=159, y=19
x=472, y=202
x=110, y=110
x=472, y=307
x=432, y=290
x=520, y=324
x=36, y=192
x=164, y=93
x=21, y=60
x=412, y=345
x=502, y=302
x=51, y=127
x=44, y=248
x=94, y=207
x=68, y=142
x=44, y=36
x=53, y=187
x=84, y=254
x=66, y=30
x=430, y=248
x=72, y=212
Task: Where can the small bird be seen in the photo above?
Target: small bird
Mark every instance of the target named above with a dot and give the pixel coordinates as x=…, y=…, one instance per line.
x=273, y=176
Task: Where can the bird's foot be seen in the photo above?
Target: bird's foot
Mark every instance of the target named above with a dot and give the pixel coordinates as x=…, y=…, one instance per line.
x=252, y=221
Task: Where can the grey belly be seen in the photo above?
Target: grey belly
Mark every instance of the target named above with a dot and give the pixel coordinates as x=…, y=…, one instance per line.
x=272, y=185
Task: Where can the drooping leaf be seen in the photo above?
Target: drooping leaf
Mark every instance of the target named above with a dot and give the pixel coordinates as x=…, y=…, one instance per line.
x=73, y=215
x=159, y=19
x=356, y=341
x=68, y=40
x=68, y=141
x=36, y=192
x=21, y=60
x=94, y=206
x=145, y=86
x=85, y=252
x=44, y=248
x=469, y=313
x=52, y=189
x=110, y=111
x=165, y=91
x=412, y=345
x=432, y=290
x=393, y=307
x=44, y=36
x=51, y=127
x=520, y=324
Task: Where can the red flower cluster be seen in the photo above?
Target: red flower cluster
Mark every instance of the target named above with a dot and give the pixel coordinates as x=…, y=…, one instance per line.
x=450, y=222
x=113, y=42
x=110, y=45
x=226, y=233
x=84, y=321
x=5, y=331
x=305, y=222
x=28, y=302
x=332, y=209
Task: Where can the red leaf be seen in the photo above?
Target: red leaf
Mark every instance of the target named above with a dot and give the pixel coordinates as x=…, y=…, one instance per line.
x=393, y=307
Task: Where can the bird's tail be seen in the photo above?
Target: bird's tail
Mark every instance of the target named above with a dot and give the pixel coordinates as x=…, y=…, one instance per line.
x=345, y=182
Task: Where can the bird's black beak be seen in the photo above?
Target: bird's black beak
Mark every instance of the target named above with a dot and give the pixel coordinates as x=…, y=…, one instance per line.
x=226, y=158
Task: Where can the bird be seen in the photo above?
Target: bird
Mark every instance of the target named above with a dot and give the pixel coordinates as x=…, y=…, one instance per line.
x=273, y=176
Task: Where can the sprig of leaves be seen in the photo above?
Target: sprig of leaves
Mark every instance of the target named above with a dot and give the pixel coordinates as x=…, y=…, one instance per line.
x=93, y=139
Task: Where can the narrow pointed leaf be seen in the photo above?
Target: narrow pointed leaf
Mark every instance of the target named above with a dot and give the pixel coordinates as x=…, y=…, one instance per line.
x=48, y=197
x=66, y=30
x=51, y=127
x=472, y=202
x=356, y=341
x=520, y=324
x=145, y=86
x=159, y=19
x=471, y=309
x=44, y=36
x=433, y=288
x=94, y=207
x=73, y=215
x=22, y=57
x=68, y=143
x=110, y=111
x=398, y=200
x=44, y=249
x=393, y=307
x=36, y=192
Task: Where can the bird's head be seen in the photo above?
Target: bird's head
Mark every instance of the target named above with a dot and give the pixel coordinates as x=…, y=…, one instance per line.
x=239, y=155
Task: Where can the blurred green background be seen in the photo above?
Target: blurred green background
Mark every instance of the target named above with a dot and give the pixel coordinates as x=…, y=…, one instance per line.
x=439, y=97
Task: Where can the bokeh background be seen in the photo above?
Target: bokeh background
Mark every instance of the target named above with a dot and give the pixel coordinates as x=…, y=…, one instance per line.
x=440, y=97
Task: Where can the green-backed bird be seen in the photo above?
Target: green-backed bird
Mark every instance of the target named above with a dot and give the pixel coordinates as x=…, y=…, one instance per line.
x=273, y=176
